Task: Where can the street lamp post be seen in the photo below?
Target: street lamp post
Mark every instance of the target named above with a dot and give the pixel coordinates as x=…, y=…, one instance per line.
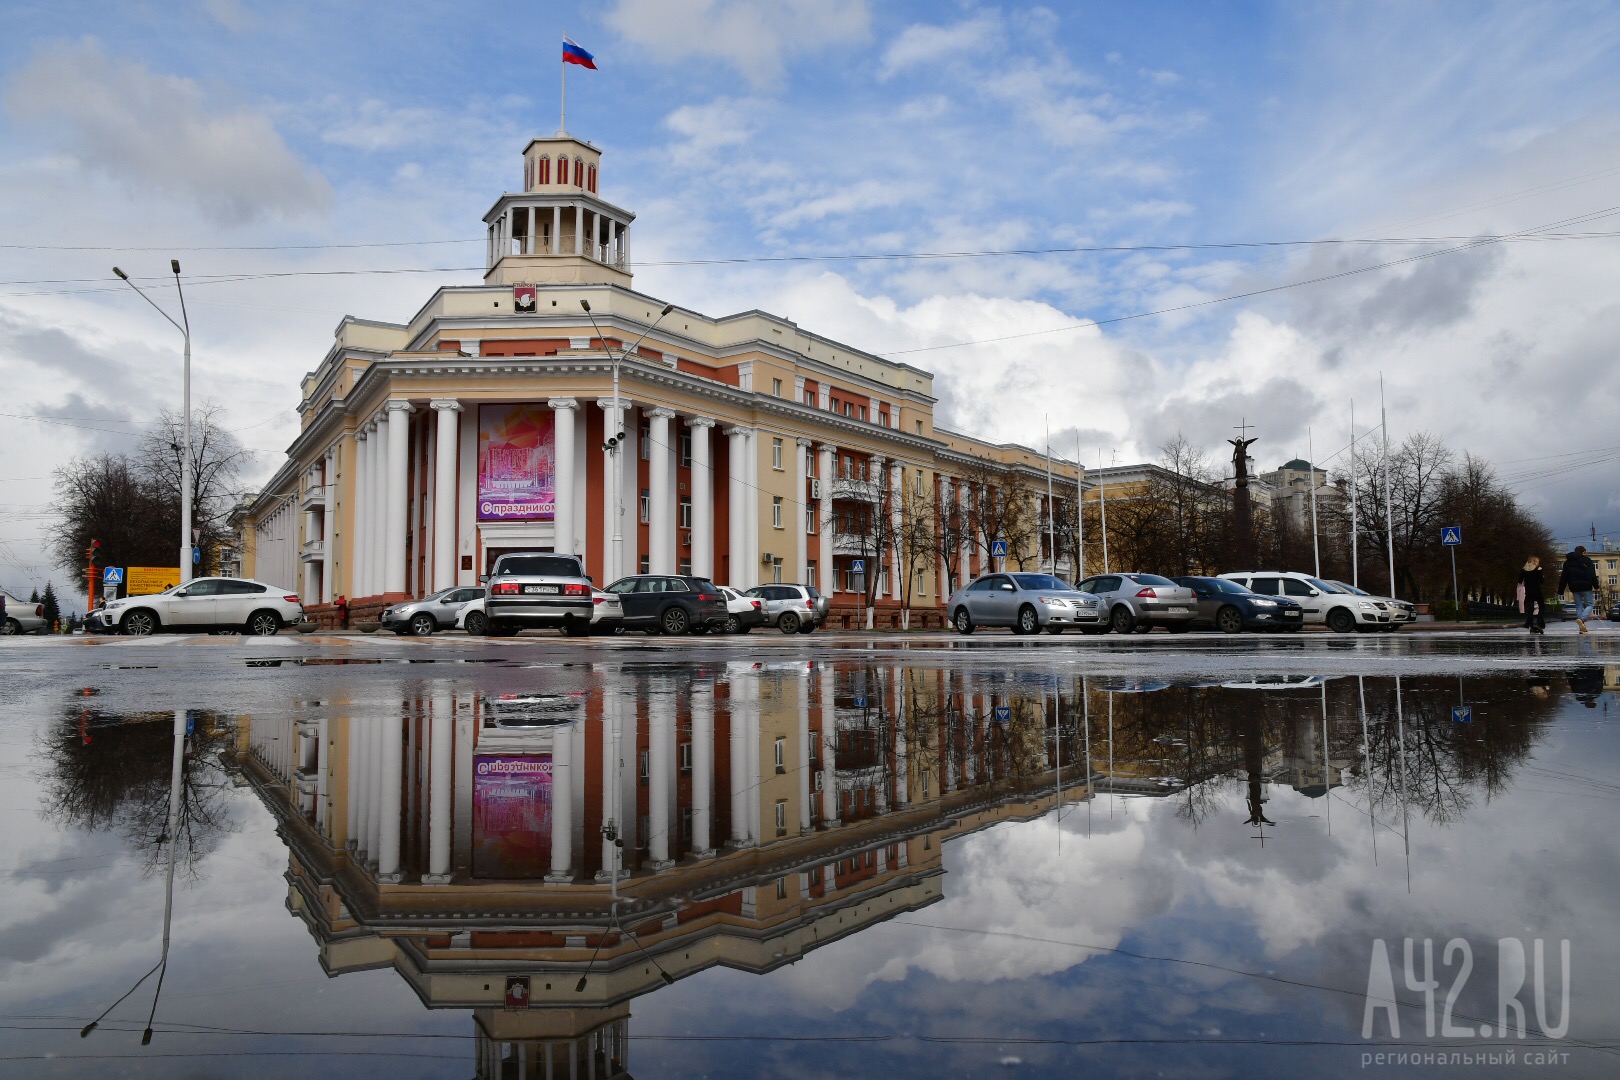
x=184, y=326
x=615, y=439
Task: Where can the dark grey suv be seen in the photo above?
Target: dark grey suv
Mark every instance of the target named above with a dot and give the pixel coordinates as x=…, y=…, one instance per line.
x=535, y=589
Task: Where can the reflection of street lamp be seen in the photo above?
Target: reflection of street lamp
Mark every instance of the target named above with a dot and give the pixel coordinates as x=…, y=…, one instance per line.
x=615, y=439
x=184, y=326
x=172, y=832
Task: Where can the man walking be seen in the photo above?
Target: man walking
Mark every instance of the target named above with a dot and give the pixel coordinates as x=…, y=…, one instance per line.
x=1580, y=577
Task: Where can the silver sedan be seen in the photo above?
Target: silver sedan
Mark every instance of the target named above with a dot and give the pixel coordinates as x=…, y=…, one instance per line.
x=1028, y=603
x=1140, y=602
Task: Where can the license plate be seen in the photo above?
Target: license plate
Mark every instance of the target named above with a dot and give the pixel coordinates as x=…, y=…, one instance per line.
x=530, y=590
x=1290, y=614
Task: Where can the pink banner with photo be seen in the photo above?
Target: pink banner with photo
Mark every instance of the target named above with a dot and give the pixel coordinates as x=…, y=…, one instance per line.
x=517, y=454
x=511, y=816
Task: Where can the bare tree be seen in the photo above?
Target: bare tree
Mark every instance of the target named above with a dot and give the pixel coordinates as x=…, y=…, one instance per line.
x=915, y=545
x=217, y=461
x=864, y=520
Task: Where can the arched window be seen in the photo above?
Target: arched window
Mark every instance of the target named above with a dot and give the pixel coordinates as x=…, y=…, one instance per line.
x=590, y=174
x=544, y=176
x=579, y=172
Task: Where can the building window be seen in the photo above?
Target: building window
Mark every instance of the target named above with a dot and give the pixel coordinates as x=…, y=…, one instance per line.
x=810, y=572
x=849, y=409
x=646, y=564
x=922, y=583
x=849, y=467
x=684, y=512
x=646, y=764
x=919, y=485
x=919, y=427
x=861, y=411
x=776, y=388
x=685, y=567
x=646, y=506
x=686, y=449
x=781, y=817
x=776, y=454
x=684, y=754
x=776, y=572
x=686, y=824
x=781, y=755
x=883, y=417
x=781, y=888
x=810, y=518
x=776, y=511
x=810, y=398
x=646, y=442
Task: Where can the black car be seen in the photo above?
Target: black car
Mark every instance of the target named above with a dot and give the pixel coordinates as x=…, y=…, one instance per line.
x=1232, y=609
x=1614, y=612
x=670, y=604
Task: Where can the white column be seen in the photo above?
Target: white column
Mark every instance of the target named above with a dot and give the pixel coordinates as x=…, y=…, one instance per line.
x=610, y=776
x=660, y=766
x=962, y=539
x=323, y=765
x=897, y=491
x=661, y=518
x=441, y=743
x=943, y=502
x=556, y=230
x=828, y=469
x=751, y=497
x=563, y=541
x=579, y=230
x=392, y=780
x=562, y=805
x=902, y=770
x=702, y=499
x=328, y=527
x=534, y=230
x=742, y=575
x=737, y=715
x=444, y=492
x=360, y=542
x=803, y=751
x=399, y=526
x=702, y=769
x=798, y=508
x=610, y=508
x=351, y=792
x=829, y=755
x=378, y=510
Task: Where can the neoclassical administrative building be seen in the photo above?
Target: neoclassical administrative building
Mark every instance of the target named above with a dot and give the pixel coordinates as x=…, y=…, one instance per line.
x=484, y=425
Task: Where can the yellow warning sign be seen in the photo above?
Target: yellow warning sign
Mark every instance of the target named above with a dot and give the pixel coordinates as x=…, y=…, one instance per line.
x=145, y=580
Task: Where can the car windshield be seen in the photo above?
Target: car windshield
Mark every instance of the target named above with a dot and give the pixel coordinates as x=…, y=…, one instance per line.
x=1342, y=587
x=1325, y=587
x=1222, y=585
x=811, y=589
x=1152, y=579
x=1042, y=581
x=537, y=566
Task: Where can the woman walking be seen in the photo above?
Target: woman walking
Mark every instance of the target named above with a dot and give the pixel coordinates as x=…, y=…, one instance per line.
x=1530, y=595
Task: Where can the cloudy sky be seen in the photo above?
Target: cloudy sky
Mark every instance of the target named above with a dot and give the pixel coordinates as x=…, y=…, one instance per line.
x=292, y=139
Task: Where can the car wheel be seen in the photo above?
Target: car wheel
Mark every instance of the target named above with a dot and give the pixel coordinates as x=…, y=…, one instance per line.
x=12, y=627
x=1054, y=630
x=475, y=623
x=1028, y=621
x=264, y=624
x=1121, y=619
x=962, y=621
x=674, y=621
x=1340, y=621
x=788, y=623
x=733, y=624
x=1229, y=620
x=575, y=628
x=1177, y=627
x=1144, y=628
x=139, y=624
x=422, y=625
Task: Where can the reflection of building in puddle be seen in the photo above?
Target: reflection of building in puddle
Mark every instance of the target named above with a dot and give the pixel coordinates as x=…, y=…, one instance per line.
x=763, y=813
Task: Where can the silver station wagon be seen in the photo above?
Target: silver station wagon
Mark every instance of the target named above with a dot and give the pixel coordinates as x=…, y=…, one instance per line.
x=1028, y=603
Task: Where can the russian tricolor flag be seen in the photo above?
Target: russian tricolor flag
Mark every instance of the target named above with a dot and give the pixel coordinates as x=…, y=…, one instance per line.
x=573, y=54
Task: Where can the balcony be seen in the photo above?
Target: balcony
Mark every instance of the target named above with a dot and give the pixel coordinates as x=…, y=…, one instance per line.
x=314, y=498
x=314, y=550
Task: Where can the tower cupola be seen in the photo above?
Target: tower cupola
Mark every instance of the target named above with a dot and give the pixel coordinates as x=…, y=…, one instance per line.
x=558, y=230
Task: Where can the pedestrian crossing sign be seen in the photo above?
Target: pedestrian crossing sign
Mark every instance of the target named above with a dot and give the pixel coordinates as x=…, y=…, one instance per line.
x=998, y=549
x=1003, y=713
x=112, y=575
x=857, y=566
x=1451, y=535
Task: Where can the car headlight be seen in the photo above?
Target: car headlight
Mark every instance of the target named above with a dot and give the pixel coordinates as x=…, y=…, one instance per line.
x=1263, y=603
x=1368, y=606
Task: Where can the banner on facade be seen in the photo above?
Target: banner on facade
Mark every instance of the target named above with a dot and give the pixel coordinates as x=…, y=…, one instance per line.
x=517, y=453
x=511, y=816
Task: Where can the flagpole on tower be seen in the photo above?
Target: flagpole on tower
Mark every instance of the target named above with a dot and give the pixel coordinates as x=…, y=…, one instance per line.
x=562, y=101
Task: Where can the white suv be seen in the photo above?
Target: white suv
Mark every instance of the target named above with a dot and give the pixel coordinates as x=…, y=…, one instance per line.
x=252, y=607
x=1341, y=611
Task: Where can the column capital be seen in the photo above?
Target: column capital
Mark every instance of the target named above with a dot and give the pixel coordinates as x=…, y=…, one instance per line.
x=399, y=407
x=444, y=405
x=606, y=404
x=700, y=421
x=360, y=432
x=806, y=443
x=661, y=413
x=828, y=448
x=557, y=403
x=737, y=431
x=331, y=452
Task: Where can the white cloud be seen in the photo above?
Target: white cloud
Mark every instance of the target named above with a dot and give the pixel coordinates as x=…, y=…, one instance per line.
x=714, y=126
x=755, y=37
x=161, y=133
x=921, y=45
x=375, y=125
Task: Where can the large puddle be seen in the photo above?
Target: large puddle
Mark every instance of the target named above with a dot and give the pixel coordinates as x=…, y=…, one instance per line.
x=800, y=868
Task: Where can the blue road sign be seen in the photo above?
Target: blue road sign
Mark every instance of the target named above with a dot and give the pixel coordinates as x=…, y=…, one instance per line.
x=857, y=566
x=1462, y=714
x=998, y=549
x=1003, y=713
x=1451, y=535
x=191, y=724
x=196, y=556
x=112, y=575
x=860, y=703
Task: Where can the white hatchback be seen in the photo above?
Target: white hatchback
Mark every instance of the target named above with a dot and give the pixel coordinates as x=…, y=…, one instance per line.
x=251, y=607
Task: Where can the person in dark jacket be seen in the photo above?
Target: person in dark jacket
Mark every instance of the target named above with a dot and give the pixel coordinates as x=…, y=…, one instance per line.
x=1580, y=577
x=1530, y=585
